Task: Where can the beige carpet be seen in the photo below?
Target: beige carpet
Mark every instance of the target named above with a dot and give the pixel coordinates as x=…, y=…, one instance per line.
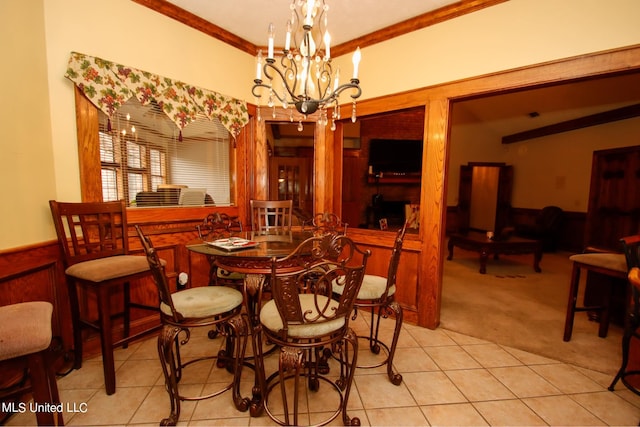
x=514, y=306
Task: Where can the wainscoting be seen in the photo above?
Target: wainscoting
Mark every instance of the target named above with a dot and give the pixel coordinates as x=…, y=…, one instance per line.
x=36, y=272
x=571, y=235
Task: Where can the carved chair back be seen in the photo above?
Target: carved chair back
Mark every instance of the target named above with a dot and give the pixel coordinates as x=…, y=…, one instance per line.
x=88, y=231
x=159, y=275
x=631, y=249
x=395, y=259
x=303, y=283
x=218, y=224
x=327, y=222
x=271, y=215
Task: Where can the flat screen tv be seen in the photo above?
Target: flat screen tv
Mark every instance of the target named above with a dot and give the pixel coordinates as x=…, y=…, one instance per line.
x=395, y=155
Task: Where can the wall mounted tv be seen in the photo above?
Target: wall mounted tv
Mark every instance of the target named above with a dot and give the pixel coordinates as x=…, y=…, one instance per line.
x=395, y=155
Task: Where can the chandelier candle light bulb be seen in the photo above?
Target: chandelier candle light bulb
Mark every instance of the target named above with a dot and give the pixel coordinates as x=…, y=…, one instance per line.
x=259, y=65
x=287, y=41
x=303, y=75
x=356, y=63
x=271, y=37
x=327, y=45
x=309, y=18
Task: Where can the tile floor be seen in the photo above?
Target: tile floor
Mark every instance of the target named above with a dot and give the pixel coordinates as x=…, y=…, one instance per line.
x=449, y=379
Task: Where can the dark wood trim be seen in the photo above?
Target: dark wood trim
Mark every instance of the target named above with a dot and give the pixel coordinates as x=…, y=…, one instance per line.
x=418, y=22
x=445, y=13
x=195, y=22
x=622, y=113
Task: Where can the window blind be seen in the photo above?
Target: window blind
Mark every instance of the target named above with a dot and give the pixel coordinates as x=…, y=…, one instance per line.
x=146, y=162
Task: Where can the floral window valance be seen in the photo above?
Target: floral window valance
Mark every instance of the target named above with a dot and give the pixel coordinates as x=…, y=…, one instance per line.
x=109, y=85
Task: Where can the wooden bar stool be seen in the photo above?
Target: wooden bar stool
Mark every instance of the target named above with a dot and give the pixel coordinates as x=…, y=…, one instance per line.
x=25, y=332
x=630, y=331
x=94, y=243
x=630, y=375
x=377, y=295
x=610, y=264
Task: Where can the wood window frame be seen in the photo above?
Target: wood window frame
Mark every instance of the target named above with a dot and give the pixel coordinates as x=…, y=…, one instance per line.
x=88, y=126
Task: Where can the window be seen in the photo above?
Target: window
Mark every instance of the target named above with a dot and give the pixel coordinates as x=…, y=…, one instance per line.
x=147, y=161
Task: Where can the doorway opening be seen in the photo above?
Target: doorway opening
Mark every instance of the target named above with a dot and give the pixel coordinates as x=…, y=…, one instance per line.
x=291, y=165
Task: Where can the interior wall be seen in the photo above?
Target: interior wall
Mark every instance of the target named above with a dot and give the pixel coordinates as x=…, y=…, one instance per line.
x=130, y=34
x=552, y=170
x=408, y=125
x=469, y=142
x=26, y=166
x=509, y=35
x=496, y=38
x=556, y=170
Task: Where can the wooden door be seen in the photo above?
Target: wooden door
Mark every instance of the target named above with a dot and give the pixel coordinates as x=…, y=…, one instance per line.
x=503, y=207
x=614, y=212
x=614, y=200
x=464, y=198
x=353, y=209
x=290, y=178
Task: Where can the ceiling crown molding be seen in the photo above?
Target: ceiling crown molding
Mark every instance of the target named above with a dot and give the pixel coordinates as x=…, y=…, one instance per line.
x=418, y=22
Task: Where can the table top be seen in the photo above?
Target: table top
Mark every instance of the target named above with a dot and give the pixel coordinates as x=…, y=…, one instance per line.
x=478, y=237
x=267, y=245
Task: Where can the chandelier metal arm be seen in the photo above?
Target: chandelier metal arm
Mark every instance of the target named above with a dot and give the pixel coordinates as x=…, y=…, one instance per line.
x=333, y=96
x=305, y=70
x=353, y=84
x=268, y=67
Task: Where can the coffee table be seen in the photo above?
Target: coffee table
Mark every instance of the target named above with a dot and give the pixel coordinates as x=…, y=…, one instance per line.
x=479, y=242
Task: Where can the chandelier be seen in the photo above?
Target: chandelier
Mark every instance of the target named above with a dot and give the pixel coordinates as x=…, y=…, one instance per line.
x=303, y=75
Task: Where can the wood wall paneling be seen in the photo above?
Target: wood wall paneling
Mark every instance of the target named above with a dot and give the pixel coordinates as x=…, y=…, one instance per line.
x=380, y=243
x=406, y=124
x=35, y=273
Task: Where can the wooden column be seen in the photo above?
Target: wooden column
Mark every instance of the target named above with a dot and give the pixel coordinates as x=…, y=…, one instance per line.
x=87, y=125
x=261, y=163
x=432, y=212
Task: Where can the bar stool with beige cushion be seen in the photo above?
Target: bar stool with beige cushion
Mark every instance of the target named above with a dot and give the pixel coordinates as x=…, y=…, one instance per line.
x=607, y=263
x=25, y=332
x=94, y=242
x=303, y=320
x=218, y=307
x=377, y=295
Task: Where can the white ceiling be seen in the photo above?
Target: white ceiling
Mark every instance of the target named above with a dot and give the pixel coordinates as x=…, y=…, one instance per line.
x=348, y=19
x=507, y=114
